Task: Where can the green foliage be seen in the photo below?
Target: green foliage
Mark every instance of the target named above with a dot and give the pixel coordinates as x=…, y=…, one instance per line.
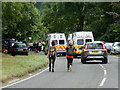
x=20, y=20
x=23, y=20
x=65, y=17
x=20, y=65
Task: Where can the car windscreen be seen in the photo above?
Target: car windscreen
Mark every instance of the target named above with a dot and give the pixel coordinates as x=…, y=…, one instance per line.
x=107, y=45
x=118, y=44
x=80, y=42
x=61, y=42
x=88, y=40
x=20, y=45
x=94, y=46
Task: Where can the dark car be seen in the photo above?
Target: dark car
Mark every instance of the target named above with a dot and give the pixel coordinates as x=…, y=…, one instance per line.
x=19, y=48
x=94, y=51
x=7, y=44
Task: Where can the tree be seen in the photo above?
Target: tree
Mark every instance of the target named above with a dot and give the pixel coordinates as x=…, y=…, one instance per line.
x=65, y=16
x=20, y=20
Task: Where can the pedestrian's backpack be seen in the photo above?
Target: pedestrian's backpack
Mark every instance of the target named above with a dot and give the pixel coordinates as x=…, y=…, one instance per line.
x=52, y=51
x=70, y=51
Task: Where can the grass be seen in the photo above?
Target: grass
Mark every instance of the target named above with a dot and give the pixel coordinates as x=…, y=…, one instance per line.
x=118, y=55
x=20, y=65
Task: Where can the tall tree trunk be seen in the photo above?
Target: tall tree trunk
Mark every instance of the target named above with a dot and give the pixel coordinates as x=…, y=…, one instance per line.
x=81, y=22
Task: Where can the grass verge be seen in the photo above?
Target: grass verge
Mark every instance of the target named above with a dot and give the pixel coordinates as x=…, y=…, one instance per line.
x=118, y=55
x=20, y=65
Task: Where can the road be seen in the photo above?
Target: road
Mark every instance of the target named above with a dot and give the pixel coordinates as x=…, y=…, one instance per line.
x=90, y=75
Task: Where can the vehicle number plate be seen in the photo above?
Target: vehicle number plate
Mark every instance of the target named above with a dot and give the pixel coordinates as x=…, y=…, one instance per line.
x=95, y=51
x=20, y=49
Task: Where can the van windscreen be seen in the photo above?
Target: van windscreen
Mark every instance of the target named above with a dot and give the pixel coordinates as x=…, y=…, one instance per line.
x=61, y=41
x=80, y=42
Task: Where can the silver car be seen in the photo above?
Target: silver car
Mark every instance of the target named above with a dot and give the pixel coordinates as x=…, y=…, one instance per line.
x=94, y=51
x=108, y=46
x=115, y=48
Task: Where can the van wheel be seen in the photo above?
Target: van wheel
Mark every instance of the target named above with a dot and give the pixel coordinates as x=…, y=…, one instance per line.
x=64, y=54
x=83, y=61
x=45, y=53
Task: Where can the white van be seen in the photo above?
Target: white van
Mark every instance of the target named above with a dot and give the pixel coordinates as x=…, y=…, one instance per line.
x=79, y=39
x=60, y=41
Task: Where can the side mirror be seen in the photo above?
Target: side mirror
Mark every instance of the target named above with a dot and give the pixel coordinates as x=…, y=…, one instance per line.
x=81, y=47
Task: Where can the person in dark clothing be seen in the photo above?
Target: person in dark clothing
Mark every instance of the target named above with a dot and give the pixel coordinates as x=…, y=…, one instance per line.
x=52, y=53
x=70, y=50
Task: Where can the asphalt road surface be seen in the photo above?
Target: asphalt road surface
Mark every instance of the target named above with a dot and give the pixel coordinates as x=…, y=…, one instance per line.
x=90, y=75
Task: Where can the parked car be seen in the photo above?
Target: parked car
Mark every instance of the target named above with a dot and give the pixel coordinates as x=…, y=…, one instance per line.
x=94, y=51
x=108, y=46
x=19, y=48
x=7, y=44
x=115, y=48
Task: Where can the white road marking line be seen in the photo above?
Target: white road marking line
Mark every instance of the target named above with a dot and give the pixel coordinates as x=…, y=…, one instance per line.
x=105, y=72
x=30, y=74
x=24, y=79
x=102, y=83
x=13, y=80
x=104, y=79
x=102, y=66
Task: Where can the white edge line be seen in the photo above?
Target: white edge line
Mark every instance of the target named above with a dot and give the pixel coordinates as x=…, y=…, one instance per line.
x=24, y=79
x=13, y=81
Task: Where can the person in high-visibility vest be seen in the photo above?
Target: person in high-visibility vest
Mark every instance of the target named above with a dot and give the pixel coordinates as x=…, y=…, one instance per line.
x=39, y=45
x=31, y=46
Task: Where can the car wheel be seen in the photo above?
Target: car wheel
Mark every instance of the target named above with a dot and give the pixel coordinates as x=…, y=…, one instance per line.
x=83, y=61
x=45, y=53
x=114, y=52
x=13, y=54
x=105, y=61
x=27, y=54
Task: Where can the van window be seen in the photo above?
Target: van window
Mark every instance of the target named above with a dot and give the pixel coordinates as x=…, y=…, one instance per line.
x=88, y=40
x=61, y=42
x=56, y=42
x=80, y=42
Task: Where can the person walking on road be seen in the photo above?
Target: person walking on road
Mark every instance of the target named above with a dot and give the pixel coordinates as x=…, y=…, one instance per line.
x=70, y=51
x=52, y=53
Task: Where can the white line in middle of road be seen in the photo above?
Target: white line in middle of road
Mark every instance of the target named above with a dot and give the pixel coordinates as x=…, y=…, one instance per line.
x=105, y=74
x=102, y=83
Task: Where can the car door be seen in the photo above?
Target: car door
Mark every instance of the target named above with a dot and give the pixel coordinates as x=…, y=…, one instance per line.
x=112, y=48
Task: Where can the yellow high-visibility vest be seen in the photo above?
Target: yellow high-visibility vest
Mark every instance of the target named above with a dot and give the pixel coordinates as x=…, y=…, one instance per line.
x=40, y=44
x=31, y=44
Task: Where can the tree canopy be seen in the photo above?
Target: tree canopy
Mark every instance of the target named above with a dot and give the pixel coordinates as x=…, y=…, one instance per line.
x=21, y=20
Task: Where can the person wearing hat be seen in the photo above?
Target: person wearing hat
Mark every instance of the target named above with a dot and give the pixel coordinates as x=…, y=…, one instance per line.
x=70, y=51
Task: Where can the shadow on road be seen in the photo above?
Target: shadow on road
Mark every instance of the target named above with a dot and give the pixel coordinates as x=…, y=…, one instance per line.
x=93, y=63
